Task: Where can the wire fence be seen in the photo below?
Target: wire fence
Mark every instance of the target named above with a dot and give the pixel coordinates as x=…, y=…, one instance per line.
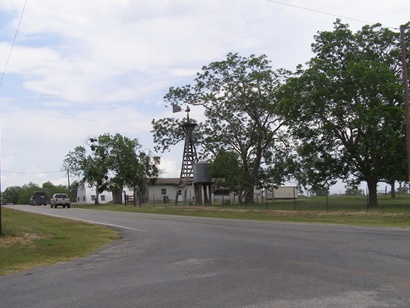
x=302, y=203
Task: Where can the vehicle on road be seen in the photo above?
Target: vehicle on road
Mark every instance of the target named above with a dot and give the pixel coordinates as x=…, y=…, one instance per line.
x=38, y=198
x=60, y=199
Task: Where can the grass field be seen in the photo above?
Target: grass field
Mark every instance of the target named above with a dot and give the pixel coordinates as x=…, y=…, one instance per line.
x=31, y=240
x=335, y=209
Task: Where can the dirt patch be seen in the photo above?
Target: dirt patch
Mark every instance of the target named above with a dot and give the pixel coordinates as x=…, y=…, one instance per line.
x=23, y=239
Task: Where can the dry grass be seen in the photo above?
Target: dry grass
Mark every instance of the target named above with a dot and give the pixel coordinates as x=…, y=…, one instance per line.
x=22, y=239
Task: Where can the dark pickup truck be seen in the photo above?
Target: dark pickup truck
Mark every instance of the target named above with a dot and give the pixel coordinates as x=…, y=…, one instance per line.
x=38, y=198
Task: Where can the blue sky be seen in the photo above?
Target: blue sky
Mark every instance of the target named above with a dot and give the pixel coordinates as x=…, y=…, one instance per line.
x=84, y=68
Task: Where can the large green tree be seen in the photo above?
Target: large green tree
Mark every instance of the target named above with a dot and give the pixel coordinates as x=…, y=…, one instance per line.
x=238, y=96
x=11, y=195
x=112, y=162
x=91, y=166
x=132, y=167
x=346, y=107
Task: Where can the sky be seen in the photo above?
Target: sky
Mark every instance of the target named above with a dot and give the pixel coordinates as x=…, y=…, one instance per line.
x=78, y=69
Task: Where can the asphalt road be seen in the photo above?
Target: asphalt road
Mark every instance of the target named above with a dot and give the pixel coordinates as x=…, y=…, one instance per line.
x=172, y=261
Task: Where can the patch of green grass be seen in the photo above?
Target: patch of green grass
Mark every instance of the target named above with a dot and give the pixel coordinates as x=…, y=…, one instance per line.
x=347, y=210
x=31, y=240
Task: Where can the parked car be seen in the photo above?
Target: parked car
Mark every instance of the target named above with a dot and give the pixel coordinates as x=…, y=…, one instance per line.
x=38, y=198
x=60, y=199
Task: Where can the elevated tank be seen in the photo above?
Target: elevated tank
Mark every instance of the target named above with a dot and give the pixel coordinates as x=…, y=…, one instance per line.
x=201, y=173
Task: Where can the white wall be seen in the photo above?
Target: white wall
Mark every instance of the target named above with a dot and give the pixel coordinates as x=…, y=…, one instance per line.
x=87, y=195
x=156, y=193
x=282, y=192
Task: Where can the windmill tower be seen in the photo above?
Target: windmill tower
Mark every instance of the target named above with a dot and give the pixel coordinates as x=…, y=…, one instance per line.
x=189, y=158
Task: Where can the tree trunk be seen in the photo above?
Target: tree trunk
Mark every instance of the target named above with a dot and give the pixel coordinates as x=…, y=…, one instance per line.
x=248, y=194
x=97, y=197
x=240, y=198
x=139, y=200
x=393, y=190
x=372, y=186
x=117, y=196
x=97, y=194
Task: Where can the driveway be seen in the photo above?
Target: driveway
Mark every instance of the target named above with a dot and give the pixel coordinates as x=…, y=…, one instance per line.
x=174, y=261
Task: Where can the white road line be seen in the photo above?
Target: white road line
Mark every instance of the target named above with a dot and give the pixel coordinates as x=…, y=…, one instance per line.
x=110, y=225
x=96, y=222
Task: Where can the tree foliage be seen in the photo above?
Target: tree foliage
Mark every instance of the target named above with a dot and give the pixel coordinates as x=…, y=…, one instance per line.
x=11, y=195
x=112, y=162
x=227, y=170
x=346, y=107
x=22, y=194
x=353, y=191
x=238, y=96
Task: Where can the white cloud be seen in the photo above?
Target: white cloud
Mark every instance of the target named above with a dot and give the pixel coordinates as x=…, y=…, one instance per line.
x=43, y=137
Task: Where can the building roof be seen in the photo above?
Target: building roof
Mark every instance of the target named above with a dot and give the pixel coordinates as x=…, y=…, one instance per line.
x=167, y=181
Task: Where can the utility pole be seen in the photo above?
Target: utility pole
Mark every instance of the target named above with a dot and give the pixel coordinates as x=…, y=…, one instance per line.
x=1, y=201
x=68, y=179
x=406, y=95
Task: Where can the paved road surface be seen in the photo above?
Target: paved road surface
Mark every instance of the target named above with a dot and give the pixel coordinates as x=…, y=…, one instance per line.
x=172, y=261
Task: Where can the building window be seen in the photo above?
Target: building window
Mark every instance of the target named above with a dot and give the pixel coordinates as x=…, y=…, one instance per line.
x=102, y=197
x=163, y=191
x=83, y=198
x=92, y=197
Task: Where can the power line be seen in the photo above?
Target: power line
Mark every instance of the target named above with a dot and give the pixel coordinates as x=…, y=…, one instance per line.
x=319, y=12
x=17, y=172
x=12, y=44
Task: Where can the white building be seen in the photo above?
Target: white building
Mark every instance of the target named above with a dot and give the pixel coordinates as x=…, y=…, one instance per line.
x=167, y=189
x=164, y=189
x=87, y=195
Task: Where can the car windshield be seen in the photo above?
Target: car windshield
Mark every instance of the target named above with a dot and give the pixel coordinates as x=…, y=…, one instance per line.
x=61, y=196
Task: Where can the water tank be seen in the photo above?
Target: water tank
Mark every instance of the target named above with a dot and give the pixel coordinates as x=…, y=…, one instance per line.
x=201, y=172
